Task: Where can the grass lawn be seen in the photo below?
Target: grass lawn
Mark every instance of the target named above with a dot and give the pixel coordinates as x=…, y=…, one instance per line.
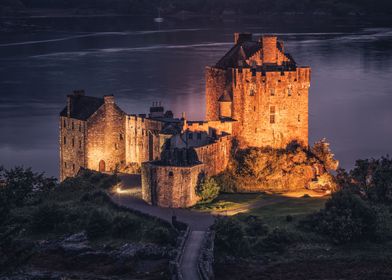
x=229, y=201
x=275, y=214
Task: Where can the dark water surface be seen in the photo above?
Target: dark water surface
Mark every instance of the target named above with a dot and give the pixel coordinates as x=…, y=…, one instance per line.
x=43, y=59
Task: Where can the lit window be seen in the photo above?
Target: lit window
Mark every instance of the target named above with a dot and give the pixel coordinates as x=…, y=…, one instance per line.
x=272, y=91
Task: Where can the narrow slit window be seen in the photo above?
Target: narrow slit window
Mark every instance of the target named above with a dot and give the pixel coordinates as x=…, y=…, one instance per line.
x=65, y=141
x=73, y=142
x=272, y=91
x=272, y=114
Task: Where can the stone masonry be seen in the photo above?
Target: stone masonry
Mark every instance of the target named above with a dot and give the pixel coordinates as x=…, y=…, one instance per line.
x=255, y=94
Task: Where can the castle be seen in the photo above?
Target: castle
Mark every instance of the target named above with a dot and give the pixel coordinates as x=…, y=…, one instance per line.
x=255, y=94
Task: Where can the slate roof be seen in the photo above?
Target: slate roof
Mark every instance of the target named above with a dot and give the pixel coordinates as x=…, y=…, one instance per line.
x=82, y=107
x=243, y=51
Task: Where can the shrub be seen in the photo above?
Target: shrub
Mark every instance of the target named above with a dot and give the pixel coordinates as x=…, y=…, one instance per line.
x=124, y=226
x=46, y=218
x=98, y=224
x=346, y=218
x=159, y=235
x=277, y=240
x=255, y=226
x=229, y=237
x=207, y=189
x=226, y=182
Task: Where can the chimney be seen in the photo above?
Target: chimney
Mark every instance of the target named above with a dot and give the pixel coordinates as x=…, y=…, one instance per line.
x=69, y=103
x=242, y=37
x=79, y=92
x=269, y=45
x=109, y=99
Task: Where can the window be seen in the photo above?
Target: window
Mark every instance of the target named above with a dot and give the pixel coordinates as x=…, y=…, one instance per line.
x=65, y=164
x=272, y=91
x=80, y=127
x=73, y=125
x=289, y=92
x=254, y=108
x=121, y=136
x=80, y=144
x=116, y=146
x=73, y=142
x=170, y=173
x=199, y=136
x=65, y=141
x=299, y=118
x=272, y=114
x=73, y=167
x=191, y=135
x=65, y=123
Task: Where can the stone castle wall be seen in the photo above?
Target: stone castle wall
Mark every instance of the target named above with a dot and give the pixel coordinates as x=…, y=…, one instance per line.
x=215, y=156
x=271, y=108
x=143, y=142
x=170, y=186
x=105, y=150
x=72, y=146
x=216, y=83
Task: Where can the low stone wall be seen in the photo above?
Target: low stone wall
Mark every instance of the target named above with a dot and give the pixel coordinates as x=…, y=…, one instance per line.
x=215, y=156
x=175, y=270
x=206, y=257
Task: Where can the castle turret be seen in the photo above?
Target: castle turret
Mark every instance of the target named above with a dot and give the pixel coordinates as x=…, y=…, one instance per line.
x=225, y=103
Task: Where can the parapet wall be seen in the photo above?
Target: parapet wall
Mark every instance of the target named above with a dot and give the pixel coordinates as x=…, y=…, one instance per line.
x=215, y=156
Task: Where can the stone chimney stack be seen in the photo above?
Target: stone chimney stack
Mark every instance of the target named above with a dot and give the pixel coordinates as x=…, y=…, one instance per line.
x=109, y=99
x=69, y=101
x=242, y=37
x=269, y=45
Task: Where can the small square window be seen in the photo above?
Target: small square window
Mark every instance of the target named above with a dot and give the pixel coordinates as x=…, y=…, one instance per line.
x=272, y=118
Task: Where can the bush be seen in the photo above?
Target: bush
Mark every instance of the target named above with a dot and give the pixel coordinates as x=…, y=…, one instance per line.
x=159, y=235
x=207, y=189
x=124, y=226
x=226, y=182
x=277, y=240
x=47, y=218
x=99, y=223
x=255, y=226
x=346, y=218
x=229, y=237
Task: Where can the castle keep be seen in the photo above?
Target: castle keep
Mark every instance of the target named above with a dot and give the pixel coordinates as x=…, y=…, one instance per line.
x=255, y=94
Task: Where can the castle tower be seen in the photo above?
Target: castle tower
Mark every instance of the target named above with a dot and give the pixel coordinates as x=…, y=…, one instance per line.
x=261, y=87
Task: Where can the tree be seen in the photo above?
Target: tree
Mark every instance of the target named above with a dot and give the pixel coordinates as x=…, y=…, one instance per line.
x=21, y=185
x=207, y=189
x=323, y=152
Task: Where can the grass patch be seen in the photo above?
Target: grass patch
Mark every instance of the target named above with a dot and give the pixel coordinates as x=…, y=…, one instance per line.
x=229, y=201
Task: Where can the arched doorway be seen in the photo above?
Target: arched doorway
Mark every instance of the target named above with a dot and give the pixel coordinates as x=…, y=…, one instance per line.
x=102, y=166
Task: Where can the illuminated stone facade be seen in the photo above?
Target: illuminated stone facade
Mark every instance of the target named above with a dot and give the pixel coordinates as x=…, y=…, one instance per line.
x=255, y=94
x=260, y=86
